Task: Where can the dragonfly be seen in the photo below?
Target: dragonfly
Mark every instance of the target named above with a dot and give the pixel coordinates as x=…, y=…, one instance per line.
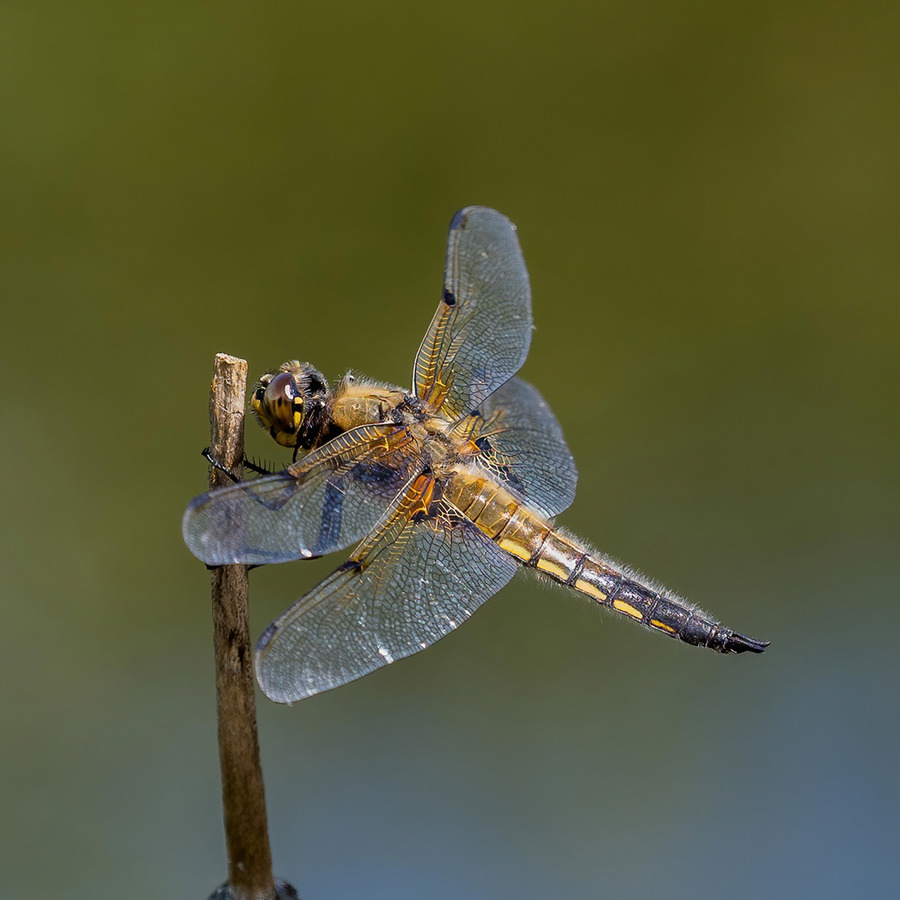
x=446, y=490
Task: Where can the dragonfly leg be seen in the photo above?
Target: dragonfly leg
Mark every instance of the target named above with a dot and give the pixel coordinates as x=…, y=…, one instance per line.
x=248, y=463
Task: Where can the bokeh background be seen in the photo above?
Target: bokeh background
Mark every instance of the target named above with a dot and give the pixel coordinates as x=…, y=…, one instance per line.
x=707, y=197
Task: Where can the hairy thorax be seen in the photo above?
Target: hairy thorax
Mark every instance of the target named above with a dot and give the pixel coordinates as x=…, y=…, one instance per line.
x=359, y=402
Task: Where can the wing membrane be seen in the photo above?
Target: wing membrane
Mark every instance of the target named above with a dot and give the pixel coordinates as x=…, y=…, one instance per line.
x=417, y=578
x=480, y=334
x=523, y=445
x=324, y=502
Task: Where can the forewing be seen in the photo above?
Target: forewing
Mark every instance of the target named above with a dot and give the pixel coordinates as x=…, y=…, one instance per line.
x=418, y=578
x=326, y=501
x=480, y=334
x=522, y=444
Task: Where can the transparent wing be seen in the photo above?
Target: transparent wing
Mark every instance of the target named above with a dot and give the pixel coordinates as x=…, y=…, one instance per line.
x=480, y=334
x=423, y=572
x=326, y=501
x=523, y=446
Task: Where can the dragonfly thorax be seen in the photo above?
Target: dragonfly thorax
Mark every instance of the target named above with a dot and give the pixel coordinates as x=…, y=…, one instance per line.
x=358, y=400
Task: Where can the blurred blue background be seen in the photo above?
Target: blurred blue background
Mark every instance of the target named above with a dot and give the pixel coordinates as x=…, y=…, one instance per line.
x=707, y=198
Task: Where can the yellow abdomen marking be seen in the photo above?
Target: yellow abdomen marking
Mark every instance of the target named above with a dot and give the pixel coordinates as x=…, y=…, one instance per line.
x=626, y=608
x=662, y=626
x=591, y=590
x=553, y=568
x=515, y=548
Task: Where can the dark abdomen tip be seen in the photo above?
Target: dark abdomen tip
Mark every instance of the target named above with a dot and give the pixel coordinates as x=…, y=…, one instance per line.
x=739, y=643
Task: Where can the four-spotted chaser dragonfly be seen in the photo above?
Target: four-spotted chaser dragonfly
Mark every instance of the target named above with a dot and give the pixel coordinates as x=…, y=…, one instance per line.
x=449, y=489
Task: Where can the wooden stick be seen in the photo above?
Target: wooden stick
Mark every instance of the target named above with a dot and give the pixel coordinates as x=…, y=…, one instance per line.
x=243, y=794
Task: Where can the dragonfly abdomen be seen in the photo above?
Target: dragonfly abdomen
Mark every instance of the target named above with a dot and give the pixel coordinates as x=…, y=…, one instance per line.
x=527, y=536
x=563, y=559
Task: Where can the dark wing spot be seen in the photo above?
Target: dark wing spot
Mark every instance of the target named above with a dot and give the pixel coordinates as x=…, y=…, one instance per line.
x=495, y=464
x=484, y=445
x=373, y=473
x=332, y=514
x=449, y=297
x=265, y=637
x=368, y=473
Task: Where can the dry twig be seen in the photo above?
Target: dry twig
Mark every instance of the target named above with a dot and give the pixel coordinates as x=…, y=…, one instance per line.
x=243, y=794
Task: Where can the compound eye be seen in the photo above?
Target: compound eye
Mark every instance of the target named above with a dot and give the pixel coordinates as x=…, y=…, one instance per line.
x=282, y=404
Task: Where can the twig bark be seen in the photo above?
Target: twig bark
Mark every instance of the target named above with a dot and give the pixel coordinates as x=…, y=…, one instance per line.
x=243, y=795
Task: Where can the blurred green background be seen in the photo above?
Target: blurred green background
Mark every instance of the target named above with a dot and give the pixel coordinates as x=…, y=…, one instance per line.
x=707, y=197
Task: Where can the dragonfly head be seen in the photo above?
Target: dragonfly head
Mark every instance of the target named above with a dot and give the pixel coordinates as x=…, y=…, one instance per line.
x=289, y=403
